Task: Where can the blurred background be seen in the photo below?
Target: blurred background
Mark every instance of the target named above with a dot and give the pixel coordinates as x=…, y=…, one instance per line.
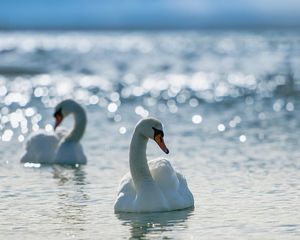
x=223, y=77
x=135, y=14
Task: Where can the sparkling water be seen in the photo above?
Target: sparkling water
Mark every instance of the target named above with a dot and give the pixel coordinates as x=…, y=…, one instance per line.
x=229, y=102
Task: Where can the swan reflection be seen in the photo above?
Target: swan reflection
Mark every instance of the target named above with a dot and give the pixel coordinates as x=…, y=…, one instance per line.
x=71, y=202
x=67, y=173
x=145, y=224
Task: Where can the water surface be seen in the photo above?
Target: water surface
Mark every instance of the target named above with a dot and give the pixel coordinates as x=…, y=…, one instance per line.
x=230, y=105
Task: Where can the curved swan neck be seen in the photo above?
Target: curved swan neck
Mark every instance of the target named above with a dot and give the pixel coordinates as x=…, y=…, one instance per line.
x=138, y=161
x=79, y=125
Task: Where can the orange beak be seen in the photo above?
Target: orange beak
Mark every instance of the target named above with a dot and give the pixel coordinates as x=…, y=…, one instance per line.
x=160, y=141
x=58, y=120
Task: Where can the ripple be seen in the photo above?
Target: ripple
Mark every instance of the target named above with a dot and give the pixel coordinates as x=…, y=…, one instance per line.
x=215, y=93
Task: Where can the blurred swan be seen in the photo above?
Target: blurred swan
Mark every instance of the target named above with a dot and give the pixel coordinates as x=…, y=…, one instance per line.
x=152, y=186
x=60, y=147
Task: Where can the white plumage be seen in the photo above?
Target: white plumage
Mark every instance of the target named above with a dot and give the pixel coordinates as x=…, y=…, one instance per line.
x=61, y=146
x=152, y=186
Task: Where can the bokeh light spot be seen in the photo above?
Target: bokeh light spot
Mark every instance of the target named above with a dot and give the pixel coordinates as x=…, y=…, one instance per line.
x=7, y=135
x=21, y=138
x=197, y=119
x=221, y=127
x=122, y=130
x=112, y=107
x=290, y=107
x=243, y=138
x=48, y=128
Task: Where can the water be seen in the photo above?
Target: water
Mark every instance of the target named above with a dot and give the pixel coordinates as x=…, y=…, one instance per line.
x=230, y=105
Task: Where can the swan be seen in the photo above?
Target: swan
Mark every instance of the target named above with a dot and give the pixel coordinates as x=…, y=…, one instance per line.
x=152, y=186
x=60, y=147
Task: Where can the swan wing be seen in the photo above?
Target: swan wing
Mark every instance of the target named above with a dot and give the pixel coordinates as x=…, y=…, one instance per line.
x=126, y=194
x=163, y=174
x=184, y=191
x=40, y=148
x=70, y=152
x=172, y=183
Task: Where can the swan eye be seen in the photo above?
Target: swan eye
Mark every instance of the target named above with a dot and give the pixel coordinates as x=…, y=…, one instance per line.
x=58, y=113
x=158, y=132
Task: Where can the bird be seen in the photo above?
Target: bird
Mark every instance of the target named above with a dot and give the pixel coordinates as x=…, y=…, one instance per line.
x=153, y=186
x=61, y=146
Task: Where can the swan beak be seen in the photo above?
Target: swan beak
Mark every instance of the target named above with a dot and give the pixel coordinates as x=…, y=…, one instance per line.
x=160, y=141
x=58, y=120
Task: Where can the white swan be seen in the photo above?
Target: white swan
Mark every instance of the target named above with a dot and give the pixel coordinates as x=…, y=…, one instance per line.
x=60, y=147
x=152, y=186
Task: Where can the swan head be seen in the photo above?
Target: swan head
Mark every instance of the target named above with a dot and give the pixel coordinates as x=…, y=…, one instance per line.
x=63, y=109
x=153, y=129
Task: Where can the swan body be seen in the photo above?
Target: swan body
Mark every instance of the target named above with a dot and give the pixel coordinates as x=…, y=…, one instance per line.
x=152, y=186
x=40, y=148
x=70, y=153
x=60, y=147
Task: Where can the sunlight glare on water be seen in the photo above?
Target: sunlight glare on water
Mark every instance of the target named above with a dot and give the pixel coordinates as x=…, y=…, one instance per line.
x=229, y=103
